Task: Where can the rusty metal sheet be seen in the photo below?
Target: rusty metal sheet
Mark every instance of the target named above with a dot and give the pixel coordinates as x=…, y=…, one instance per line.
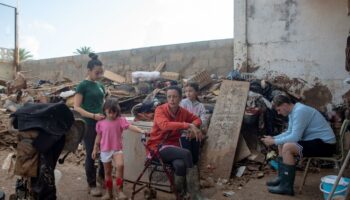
x=224, y=130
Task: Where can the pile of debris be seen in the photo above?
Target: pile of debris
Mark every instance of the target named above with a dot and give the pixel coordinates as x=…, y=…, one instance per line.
x=140, y=92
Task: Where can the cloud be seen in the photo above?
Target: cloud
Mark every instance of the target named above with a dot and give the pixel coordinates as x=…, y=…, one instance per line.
x=42, y=26
x=31, y=44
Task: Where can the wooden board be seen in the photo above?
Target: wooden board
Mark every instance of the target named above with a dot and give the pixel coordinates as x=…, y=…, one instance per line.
x=113, y=76
x=160, y=67
x=170, y=75
x=224, y=130
x=242, y=151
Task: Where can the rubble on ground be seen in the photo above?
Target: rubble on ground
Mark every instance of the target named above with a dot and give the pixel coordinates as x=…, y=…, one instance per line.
x=139, y=95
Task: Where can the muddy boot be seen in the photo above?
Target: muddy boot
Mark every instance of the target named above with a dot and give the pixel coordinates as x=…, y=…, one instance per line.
x=193, y=188
x=179, y=182
x=276, y=181
x=109, y=186
x=287, y=181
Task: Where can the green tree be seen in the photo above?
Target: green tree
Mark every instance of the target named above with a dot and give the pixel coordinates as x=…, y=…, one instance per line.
x=24, y=55
x=83, y=50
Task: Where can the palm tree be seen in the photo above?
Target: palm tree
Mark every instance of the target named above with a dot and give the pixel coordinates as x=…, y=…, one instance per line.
x=24, y=55
x=84, y=50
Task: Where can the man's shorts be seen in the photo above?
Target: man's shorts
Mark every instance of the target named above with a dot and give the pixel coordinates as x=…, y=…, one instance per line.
x=107, y=156
x=316, y=148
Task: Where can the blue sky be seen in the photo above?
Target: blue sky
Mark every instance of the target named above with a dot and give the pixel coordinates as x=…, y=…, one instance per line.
x=57, y=28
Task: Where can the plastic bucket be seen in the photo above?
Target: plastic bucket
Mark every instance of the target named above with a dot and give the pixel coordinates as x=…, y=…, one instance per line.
x=327, y=183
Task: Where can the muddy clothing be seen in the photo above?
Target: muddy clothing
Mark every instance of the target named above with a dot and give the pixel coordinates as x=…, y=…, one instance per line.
x=304, y=124
x=52, y=118
x=43, y=186
x=93, y=96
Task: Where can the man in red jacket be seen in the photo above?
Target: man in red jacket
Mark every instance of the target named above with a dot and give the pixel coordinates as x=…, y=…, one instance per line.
x=169, y=120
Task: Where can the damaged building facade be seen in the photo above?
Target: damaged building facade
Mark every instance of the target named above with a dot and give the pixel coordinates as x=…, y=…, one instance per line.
x=298, y=45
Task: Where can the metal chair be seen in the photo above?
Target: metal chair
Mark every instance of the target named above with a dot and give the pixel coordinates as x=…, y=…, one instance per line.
x=338, y=158
x=154, y=163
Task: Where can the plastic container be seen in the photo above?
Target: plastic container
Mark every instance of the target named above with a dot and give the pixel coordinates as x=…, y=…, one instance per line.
x=327, y=183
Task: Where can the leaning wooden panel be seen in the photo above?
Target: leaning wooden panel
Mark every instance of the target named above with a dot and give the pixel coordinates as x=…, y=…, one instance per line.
x=224, y=130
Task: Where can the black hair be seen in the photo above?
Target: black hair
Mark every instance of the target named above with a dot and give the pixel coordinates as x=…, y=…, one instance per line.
x=174, y=87
x=281, y=99
x=94, y=61
x=193, y=85
x=112, y=104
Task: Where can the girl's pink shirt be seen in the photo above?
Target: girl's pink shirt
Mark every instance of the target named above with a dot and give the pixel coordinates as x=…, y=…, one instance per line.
x=111, y=133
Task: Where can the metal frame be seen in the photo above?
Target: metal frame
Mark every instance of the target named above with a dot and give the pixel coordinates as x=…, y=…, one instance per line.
x=16, y=51
x=154, y=162
x=337, y=159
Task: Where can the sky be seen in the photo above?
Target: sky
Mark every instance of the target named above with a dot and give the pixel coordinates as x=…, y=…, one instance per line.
x=57, y=28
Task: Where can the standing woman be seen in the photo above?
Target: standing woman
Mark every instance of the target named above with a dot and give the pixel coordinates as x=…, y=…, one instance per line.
x=88, y=101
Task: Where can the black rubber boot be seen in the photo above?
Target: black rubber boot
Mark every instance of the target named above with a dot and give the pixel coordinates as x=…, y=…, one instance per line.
x=276, y=181
x=193, y=187
x=287, y=181
x=179, y=182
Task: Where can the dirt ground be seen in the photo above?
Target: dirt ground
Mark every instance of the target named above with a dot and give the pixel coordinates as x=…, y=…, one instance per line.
x=73, y=186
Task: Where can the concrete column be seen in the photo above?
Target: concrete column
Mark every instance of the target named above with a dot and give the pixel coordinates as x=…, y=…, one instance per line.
x=240, y=47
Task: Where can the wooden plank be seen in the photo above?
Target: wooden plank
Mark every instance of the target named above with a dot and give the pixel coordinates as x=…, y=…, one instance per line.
x=113, y=76
x=224, y=130
x=160, y=67
x=170, y=75
x=242, y=151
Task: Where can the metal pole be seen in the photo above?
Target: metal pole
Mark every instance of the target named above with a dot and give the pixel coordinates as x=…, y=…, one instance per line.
x=16, y=56
x=330, y=196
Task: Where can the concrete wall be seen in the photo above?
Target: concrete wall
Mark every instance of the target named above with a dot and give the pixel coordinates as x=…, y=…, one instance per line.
x=297, y=44
x=6, y=64
x=216, y=56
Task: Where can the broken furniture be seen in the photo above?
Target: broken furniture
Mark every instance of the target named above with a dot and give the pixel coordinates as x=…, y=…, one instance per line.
x=339, y=158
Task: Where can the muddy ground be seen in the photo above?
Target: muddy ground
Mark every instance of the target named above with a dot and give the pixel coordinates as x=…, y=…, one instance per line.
x=73, y=186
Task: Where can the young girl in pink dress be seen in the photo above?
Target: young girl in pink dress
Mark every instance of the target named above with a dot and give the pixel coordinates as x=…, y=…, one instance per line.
x=109, y=143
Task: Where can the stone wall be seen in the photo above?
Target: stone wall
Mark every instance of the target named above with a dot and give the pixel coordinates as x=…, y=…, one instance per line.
x=216, y=56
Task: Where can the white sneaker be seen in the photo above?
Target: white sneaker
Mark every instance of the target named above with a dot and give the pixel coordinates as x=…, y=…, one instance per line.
x=121, y=196
x=95, y=191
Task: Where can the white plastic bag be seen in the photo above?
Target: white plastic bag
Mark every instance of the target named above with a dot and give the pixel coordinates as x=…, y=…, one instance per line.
x=144, y=76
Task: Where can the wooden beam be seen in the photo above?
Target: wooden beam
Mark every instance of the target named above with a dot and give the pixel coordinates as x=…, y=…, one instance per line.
x=113, y=77
x=160, y=67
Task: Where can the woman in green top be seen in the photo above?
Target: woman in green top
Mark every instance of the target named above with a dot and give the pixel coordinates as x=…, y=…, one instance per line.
x=88, y=101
